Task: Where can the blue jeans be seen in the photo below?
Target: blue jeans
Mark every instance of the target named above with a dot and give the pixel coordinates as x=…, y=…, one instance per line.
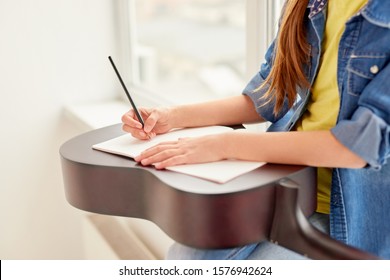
x=264, y=250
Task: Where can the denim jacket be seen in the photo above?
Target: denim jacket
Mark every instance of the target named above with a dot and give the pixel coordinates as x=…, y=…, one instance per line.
x=360, y=198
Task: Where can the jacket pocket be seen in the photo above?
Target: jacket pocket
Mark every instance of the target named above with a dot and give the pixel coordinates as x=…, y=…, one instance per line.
x=362, y=68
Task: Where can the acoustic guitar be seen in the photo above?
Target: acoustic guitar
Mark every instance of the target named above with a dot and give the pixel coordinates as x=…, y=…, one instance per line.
x=271, y=202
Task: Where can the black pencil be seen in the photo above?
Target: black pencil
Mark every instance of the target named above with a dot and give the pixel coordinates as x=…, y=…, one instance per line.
x=141, y=120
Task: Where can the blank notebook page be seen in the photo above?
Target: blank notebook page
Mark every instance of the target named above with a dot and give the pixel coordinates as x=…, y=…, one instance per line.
x=219, y=171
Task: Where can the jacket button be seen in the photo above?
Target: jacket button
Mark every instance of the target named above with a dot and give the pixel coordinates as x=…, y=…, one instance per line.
x=374, y=69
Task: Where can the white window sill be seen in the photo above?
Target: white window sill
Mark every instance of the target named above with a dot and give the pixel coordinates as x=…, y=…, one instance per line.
x=98, y=114
x=101, y=114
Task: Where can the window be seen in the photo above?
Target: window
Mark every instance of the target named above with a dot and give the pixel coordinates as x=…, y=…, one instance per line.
x=185, y=51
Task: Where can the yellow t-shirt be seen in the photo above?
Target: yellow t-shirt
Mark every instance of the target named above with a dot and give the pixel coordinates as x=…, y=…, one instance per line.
x=323, y=106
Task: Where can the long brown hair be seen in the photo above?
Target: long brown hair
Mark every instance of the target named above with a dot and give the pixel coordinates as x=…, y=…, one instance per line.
x=292, y=53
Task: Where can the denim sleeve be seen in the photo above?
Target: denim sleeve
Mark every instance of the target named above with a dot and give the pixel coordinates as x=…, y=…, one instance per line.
x=251, y=90
x=367, y=132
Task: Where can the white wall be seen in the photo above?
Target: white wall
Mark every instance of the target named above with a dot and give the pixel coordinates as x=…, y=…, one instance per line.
x=52, y=53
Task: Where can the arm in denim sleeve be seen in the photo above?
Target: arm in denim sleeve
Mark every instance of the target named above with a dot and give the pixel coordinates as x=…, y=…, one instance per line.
x=251, y=90
x=367, y=132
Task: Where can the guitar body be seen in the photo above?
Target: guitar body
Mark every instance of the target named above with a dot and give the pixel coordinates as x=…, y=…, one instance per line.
x=190, y=210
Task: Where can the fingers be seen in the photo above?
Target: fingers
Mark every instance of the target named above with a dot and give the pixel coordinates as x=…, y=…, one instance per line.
x=182, y=151
x=151, y=121
x=176, y=160
x=157, y=153
x=138, y=133
x=134, y=127
x=130, y=120
x=157, y=121
x=163, y=155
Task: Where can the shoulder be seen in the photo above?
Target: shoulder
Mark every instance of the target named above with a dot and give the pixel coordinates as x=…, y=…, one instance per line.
x=378, y=12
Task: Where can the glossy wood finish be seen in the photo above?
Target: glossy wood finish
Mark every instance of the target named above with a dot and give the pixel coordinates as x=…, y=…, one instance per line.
x=270, y=202
x=212, y=216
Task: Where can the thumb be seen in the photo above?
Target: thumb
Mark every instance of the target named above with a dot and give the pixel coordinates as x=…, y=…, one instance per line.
x=150, y=122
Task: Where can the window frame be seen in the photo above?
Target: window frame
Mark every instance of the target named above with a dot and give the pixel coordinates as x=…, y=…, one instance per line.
x=260, y=31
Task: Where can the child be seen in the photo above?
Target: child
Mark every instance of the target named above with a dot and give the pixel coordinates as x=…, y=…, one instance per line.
x=325, y=87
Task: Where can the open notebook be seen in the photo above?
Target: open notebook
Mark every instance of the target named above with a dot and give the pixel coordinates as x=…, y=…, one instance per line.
x=220, y=171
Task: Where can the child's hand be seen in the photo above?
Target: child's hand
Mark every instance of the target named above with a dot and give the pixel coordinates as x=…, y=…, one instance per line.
x=156, y=122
